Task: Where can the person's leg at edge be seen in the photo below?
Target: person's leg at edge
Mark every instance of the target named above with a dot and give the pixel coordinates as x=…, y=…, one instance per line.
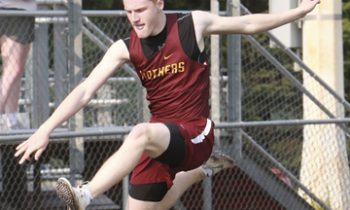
x=14, y=56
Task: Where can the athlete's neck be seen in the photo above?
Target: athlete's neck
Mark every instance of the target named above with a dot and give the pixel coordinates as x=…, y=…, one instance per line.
x=161, y=24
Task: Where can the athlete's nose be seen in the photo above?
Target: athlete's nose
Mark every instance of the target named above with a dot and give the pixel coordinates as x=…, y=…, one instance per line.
x=135, y=17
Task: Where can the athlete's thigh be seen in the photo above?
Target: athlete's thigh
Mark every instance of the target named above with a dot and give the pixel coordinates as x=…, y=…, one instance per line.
x=141, y=205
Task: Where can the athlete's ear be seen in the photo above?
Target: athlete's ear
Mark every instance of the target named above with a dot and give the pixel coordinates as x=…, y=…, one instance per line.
x=160, y=4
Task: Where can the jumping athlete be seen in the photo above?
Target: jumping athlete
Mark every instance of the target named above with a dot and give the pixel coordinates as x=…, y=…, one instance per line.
x=164, y=155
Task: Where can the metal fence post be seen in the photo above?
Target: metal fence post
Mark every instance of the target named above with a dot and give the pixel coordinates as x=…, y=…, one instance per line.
x=60, y=59
x=40, y=75
x=76, y=145
x=214, y=100
x=215, y=73
x=234, y=80
x=41, y=99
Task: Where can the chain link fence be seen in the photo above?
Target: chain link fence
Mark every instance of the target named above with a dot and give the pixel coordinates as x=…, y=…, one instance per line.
x=286, y=158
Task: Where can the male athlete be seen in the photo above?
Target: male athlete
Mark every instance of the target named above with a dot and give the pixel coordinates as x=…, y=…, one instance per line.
x=168, y=54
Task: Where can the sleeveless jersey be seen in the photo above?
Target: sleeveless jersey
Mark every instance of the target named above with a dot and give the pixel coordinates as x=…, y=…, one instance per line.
x=177, y=86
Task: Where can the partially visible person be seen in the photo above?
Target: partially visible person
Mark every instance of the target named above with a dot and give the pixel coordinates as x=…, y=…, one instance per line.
x=16, y=35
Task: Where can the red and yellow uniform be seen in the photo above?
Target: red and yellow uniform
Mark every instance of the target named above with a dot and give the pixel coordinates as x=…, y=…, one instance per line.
x=178, y=91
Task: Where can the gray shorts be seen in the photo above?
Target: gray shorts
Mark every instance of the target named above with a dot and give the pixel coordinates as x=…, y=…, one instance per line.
x=17, y=28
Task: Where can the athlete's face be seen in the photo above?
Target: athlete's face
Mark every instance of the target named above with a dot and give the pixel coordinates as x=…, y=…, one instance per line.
x=146, y=16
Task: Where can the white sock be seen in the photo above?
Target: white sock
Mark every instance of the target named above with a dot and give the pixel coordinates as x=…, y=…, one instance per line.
x=11, y=118
x=208, y=172
x=87, y=194
x=3, y=117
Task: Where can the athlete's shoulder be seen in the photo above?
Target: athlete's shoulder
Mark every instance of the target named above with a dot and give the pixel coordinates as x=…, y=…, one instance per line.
x=203, y=17
x=118, y=50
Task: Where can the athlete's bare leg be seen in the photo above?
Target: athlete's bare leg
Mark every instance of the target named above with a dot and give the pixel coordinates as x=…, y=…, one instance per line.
x=182, y=182
x=151, y=138
x=78, y=198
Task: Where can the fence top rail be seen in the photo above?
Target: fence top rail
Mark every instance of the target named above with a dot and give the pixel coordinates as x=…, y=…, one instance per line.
x=123, y=13
x=50, y=13
x=120, y=12
x=281, y=123
x=62, y=12
x=51, y=1
x=13, y=137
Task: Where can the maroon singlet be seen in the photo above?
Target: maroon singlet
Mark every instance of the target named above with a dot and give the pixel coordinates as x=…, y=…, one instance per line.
x=177, y=86
x=178, y=91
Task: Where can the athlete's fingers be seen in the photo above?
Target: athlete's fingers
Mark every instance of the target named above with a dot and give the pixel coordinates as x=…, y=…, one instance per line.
x=20, y=150
x=23, y=159
x=21, y=145
x=26, y=156
x=38, y=153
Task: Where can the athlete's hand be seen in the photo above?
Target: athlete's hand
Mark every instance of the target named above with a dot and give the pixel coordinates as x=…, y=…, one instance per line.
x=309, y=5
x=36, y=144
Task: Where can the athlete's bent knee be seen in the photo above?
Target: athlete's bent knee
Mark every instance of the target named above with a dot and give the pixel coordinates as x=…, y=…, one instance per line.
x=140, y=133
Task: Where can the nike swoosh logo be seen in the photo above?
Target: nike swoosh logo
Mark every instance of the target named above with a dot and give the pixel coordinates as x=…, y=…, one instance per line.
x=166, y=57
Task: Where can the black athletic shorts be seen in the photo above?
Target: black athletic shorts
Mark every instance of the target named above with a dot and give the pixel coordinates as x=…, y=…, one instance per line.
x=17, y=28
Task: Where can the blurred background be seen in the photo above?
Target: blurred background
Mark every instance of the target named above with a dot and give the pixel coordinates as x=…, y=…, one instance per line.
x=279, y=100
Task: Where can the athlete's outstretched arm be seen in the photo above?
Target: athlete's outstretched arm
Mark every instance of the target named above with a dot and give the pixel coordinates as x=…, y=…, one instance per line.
x=116, y=55
x=207, y=23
